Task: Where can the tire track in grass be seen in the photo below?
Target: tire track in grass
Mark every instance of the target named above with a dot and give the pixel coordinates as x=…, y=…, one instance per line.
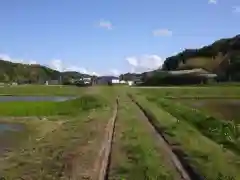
x=102, y=163
x=176, y=157
x=136, y=152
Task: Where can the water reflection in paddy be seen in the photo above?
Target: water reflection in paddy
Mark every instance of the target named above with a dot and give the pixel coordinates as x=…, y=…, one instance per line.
x=35, y=98
x=5, y=127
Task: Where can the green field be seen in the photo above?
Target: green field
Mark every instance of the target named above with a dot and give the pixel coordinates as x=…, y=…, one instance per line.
x=194, y=92
x=40, y=90
x=62, y=140
x=70, y=107
x=50, y=131
x=209, y=112
x=225, y=109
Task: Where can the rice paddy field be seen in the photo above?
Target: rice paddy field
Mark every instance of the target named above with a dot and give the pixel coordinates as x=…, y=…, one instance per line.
x=102, y=132
x=210, y=112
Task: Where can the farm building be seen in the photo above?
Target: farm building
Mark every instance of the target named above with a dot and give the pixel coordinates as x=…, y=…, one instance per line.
x=180, y=77
x=193, y=72
x=107, y=80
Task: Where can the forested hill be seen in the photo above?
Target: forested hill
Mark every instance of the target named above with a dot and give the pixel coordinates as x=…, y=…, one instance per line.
x=222, y=58
x=17, y=72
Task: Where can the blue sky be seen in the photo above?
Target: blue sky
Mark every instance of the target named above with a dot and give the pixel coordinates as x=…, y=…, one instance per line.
x=111, y=36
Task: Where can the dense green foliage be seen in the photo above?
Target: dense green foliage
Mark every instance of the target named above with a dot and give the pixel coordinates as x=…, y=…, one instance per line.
x=229, y=63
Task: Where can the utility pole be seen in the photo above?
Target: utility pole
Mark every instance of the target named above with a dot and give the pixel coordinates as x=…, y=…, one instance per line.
x=60, y=79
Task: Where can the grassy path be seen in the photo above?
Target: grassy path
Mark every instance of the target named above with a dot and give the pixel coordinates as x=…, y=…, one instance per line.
x=137, y=152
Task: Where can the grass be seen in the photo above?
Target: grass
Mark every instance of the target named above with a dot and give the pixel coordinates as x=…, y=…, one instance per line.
x=65, y=145
x=135, y=154
x=193, y=92
x=70, y=107
x=206, y=156
x=51, y=157
x=225, y=133
x=227, y=109
x=27, y=128
x=58, y=147
x=40, y=90
x=61, y=145
x=220, y=131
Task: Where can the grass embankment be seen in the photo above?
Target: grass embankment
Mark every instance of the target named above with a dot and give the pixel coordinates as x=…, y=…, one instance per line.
x=66, y=152
x=70, y=107
x=135, y=154
x=193, y=92
x=227, y=109
x=206, y=156
x=223, y=132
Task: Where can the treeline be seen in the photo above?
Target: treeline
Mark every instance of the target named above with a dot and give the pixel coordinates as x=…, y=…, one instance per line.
x=33, y=74
x=228, y=48
x=224, y=61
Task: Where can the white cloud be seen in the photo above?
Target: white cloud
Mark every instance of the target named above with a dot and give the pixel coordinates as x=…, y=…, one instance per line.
x=8, y=58
x=236, y=9
x=105, y=24
x=81, y=70
x=56, y=64
x=162, y=32
x=212, y=2
x=75, y=68
x=115, y=72
x=133, y=61
x=94, y=74
x=32, y=62
x=5, y=57
x=144, y=62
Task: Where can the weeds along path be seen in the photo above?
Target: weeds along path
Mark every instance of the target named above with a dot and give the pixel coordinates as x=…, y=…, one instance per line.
x=97, y=168
x=137, y=151
x=70, y=152
x=102, y=162
x=204, y=158
x=175, y=161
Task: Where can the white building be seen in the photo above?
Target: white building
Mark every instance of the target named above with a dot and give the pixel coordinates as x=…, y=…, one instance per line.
x=130, y=83
x=123, y=82
x=115, y=81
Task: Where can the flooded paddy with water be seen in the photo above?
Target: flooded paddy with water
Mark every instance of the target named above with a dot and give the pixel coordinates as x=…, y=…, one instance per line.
x=10, y=135
x=35, y=98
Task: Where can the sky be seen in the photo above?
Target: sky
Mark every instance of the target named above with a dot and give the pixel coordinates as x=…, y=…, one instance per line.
x=109, y=37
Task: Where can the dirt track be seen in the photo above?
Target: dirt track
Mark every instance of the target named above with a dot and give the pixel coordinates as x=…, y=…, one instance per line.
x=171, y=160
x=101, y=165
x=172, y=154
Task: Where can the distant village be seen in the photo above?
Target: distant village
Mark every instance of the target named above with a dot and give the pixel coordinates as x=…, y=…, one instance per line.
x=103, y=80
x=198, y=73
x=82, y=81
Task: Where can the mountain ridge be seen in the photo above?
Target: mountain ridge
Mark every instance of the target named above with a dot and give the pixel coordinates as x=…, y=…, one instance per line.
x=33, y=73
x=222, y=57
